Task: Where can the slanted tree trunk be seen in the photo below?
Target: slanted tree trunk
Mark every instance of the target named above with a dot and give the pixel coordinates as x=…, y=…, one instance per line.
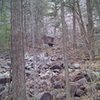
x=82, y=27
x=65, y=41
x=88, y=36
x=17, y=51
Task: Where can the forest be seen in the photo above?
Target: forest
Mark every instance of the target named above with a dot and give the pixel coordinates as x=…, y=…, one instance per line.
x=49, y=49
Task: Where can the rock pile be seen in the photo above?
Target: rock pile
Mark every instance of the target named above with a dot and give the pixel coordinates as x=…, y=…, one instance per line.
x=45, y=76
x=4, y=76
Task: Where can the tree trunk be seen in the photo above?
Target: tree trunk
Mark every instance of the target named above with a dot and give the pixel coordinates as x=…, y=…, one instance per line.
x=90, y=29
x=65, y=41
x=17, y=51
x=27, y=13
x=74, y=25
x=39, y=21
x=90, y=32
x=82, y=28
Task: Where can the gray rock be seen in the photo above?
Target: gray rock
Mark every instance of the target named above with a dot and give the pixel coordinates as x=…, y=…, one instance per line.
x=76, y=90
x=76, y=66
x=79, y=93
x=4, y=80
x=73, y=88
x=82, y=81
x=46, y=96
x=2, y=88
x=98, y=98
x=97, y=86
x=76, y=98
x=4, y=93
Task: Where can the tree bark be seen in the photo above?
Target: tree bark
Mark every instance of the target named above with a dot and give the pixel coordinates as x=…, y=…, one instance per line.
x=39, y=21
x=17, y=51
x=90, y=32
x=65, y=41
x=90, y=29
x=83, y=28
x=27, y=13
x=74, y=25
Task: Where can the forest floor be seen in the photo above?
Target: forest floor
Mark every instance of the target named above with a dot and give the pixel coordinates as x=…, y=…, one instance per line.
x=48, y=66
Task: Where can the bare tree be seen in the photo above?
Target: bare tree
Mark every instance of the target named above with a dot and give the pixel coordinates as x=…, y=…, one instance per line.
x=39, y=20
x=65, y=41
x=74, y=24
x=17, y=51
x=90, y=32
x=88, y=35
x=90, y=29
x=83, y=28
